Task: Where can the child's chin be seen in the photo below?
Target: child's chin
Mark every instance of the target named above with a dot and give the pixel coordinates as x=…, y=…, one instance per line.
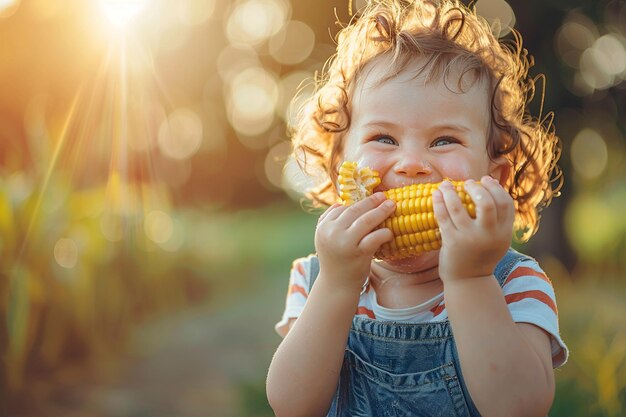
x=422, y=262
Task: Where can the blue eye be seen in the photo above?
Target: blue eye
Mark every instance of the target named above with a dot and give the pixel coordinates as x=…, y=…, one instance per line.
x=385, y=139
x=444, y=140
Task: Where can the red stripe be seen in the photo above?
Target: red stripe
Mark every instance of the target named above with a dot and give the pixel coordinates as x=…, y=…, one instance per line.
x=294, y=288
x=298, y=267
x=362, y=310
x=524, y=271
x=536, y=294
x=438, y=309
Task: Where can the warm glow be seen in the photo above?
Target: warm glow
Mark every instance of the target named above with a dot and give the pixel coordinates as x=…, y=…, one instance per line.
x=120, y=12
x=8, y=7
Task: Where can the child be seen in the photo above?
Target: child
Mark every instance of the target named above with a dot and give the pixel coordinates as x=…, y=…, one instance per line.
x=422, y=92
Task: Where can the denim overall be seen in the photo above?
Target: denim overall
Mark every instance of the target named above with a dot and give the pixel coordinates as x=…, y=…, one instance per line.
x=400, y=369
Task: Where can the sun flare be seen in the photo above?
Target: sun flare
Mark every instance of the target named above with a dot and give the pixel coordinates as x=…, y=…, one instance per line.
x=120, y=12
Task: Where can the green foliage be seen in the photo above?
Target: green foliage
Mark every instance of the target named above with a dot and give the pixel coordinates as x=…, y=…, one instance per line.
x=254, y=400
x=593, y=382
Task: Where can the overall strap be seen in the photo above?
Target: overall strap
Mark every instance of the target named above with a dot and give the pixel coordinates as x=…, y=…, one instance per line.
x=506, y=264
x=314, y=270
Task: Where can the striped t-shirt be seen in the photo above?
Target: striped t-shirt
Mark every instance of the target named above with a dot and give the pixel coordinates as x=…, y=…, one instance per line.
x=527, y=290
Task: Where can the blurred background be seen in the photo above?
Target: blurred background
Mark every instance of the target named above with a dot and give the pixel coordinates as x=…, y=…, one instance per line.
x=147, y=230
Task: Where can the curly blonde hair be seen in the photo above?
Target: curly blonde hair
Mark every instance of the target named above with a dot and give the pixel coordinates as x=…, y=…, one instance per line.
x=448, y=35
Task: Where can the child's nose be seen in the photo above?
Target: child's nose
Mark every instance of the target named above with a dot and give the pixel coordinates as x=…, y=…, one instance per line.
x=412, y=166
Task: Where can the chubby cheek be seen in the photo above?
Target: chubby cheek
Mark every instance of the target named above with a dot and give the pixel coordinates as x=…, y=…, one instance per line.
x=455, y=171
x=360, y=152
x=462, y=170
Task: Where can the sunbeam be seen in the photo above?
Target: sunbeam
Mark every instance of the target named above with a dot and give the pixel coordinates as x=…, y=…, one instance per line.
x=121, y=12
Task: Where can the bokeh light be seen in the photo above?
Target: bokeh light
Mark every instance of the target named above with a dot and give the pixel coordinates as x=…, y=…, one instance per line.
x=66, y=253
x=589, y=154
x=293, y=43
x=577, y=33
x=597, y=53
x=597, y=64
x=251, y=99
x=232, y=60
x=253, y=21
x=158, y=226
x=195, y=12
x=498, y=13
x=590, y=226
x=180, y=136
x=275, y=163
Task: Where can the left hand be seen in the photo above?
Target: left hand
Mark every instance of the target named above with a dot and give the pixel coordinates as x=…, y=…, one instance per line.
x=472, y=247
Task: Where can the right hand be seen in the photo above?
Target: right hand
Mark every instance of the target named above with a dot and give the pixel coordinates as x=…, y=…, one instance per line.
x=346, y=238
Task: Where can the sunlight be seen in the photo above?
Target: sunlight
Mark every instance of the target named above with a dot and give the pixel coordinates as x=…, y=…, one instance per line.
x=8, y=7
x=120, y=12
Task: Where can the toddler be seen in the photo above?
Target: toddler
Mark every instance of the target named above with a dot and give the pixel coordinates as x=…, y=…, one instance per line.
x=422, y=92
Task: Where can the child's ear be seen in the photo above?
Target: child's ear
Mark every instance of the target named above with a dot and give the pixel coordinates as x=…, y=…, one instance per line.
x=500, y=169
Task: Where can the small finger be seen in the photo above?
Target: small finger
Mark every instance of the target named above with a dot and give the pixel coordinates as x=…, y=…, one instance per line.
x=483, y=201
x=331, y=213
x=356, y=210
x=505, y=209
x=441, y=212
x=374, y=217
x=372, y=241
x=457, y=213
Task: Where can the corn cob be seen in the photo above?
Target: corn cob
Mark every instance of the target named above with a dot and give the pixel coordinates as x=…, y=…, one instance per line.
x=355, y=184
x=413, y=224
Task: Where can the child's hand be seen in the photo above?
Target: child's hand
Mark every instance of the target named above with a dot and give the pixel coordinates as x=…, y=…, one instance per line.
x=472, y=247
x=346, y=238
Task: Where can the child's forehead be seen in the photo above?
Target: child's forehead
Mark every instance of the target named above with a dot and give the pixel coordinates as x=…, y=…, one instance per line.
x=417, y=70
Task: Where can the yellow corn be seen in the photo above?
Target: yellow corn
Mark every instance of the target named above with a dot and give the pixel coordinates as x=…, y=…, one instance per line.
x=355, y=184
x=413, y=224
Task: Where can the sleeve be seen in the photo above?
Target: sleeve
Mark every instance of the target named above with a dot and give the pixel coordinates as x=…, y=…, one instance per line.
x=530, y=297
x=297, y=293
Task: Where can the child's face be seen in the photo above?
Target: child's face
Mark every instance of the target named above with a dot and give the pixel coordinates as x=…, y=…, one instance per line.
x=416, y=132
